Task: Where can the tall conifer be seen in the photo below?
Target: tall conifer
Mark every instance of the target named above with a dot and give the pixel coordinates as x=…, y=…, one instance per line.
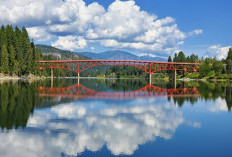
x=13, y=65
x=229, y=61
x=4, y=60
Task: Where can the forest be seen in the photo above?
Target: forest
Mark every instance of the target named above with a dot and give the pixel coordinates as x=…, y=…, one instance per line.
x=211, y=68
x=17, y=53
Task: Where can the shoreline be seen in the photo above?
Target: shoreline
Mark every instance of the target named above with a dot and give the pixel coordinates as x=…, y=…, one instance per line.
x=33, y=77
x=29, y=77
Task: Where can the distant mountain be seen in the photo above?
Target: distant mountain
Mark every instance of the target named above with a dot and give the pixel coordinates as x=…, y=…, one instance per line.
x=117, y=54
x=113, y=54
x=149, y=57
x=60, y=54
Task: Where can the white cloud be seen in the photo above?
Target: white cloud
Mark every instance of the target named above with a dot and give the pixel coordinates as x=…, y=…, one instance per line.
x=92, y=48
x=195, y=32
x=218, y=51
x=122, y=25
x=151, y=55
x=39, y=34
x=26, y=12
x=70, y=43
x=219, y=105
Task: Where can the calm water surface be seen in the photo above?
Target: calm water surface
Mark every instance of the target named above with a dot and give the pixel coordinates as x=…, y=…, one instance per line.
x=103, y=118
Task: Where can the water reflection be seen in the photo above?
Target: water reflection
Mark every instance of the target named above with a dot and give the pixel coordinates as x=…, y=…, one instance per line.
x=17, y=102
x=55, y=123
x=18, y=99
x=80, y=91
x=75, y=127
x=210, y=92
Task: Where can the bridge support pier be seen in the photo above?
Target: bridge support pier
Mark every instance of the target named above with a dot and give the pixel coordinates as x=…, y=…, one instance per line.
x=52, y=74
x=40, y=73
x=51, y=77
x=149, y=79
x=78, y=77
x=174, y=78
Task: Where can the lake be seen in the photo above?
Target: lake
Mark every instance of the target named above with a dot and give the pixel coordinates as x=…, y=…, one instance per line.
x=115, y=117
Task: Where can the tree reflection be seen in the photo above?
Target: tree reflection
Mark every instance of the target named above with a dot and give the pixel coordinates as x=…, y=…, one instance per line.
x=18, y=99
x=208, y=91
x=17, y=102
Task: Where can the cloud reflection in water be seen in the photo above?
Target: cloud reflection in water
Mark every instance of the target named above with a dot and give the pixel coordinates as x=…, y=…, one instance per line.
x=72, y=128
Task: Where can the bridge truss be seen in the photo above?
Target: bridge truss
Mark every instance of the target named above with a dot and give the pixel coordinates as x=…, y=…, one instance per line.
x=149, y=67
x=80, y=91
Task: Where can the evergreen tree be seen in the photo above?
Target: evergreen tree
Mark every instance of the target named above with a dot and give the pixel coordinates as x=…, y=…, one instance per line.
x=169, y=59
x=181, y=57
x=30, y=61
x=229, y=61
x=169, y=72
x=26, y=47
x=10, y=36
x=193, y=58
x=205, y=68
x=19, y=51
x=2, y=38
x=4, y=60
x=175, y=59
x=218, y=67
x=13, y=63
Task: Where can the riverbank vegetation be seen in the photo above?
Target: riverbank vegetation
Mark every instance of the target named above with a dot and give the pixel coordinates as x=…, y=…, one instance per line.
x=211, y=68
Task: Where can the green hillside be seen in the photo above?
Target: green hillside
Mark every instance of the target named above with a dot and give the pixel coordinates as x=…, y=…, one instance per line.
x=59, y=54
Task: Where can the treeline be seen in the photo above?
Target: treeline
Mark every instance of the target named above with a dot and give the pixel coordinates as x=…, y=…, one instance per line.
x=211, y=68
x=180, y=57
x=120, y=71
x=17, y=53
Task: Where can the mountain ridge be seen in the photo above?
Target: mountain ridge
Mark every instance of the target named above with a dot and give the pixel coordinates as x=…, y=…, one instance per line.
x=111, y=54
x=118, y=54
x=59, y=54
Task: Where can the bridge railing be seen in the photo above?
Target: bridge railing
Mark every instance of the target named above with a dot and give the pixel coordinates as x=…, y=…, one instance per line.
x=147, y=66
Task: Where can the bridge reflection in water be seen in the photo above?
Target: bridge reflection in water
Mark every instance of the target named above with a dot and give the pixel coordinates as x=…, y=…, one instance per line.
x=80, y=91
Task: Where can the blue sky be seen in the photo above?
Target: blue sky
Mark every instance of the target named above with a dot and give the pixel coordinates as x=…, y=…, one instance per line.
x=158, y=27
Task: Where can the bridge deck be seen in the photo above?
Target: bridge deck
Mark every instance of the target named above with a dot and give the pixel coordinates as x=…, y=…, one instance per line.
x=109, y=60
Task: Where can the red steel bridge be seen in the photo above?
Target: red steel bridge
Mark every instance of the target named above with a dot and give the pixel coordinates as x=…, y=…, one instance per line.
x=80, y=91
x=147, y=66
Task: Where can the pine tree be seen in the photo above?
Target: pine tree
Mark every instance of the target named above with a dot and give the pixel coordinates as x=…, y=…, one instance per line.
x=37, y=58
x=19, y=51
x=175, y=59
x=2, y=38
x=13, y=63
x=30, y=61
x=194, y=58
x=229, y=61
x=10, y=36
x=217, y=66
x=26, y=47
x=169, y=59
x=4, y=60
x=181, y=57
x=169, y=72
